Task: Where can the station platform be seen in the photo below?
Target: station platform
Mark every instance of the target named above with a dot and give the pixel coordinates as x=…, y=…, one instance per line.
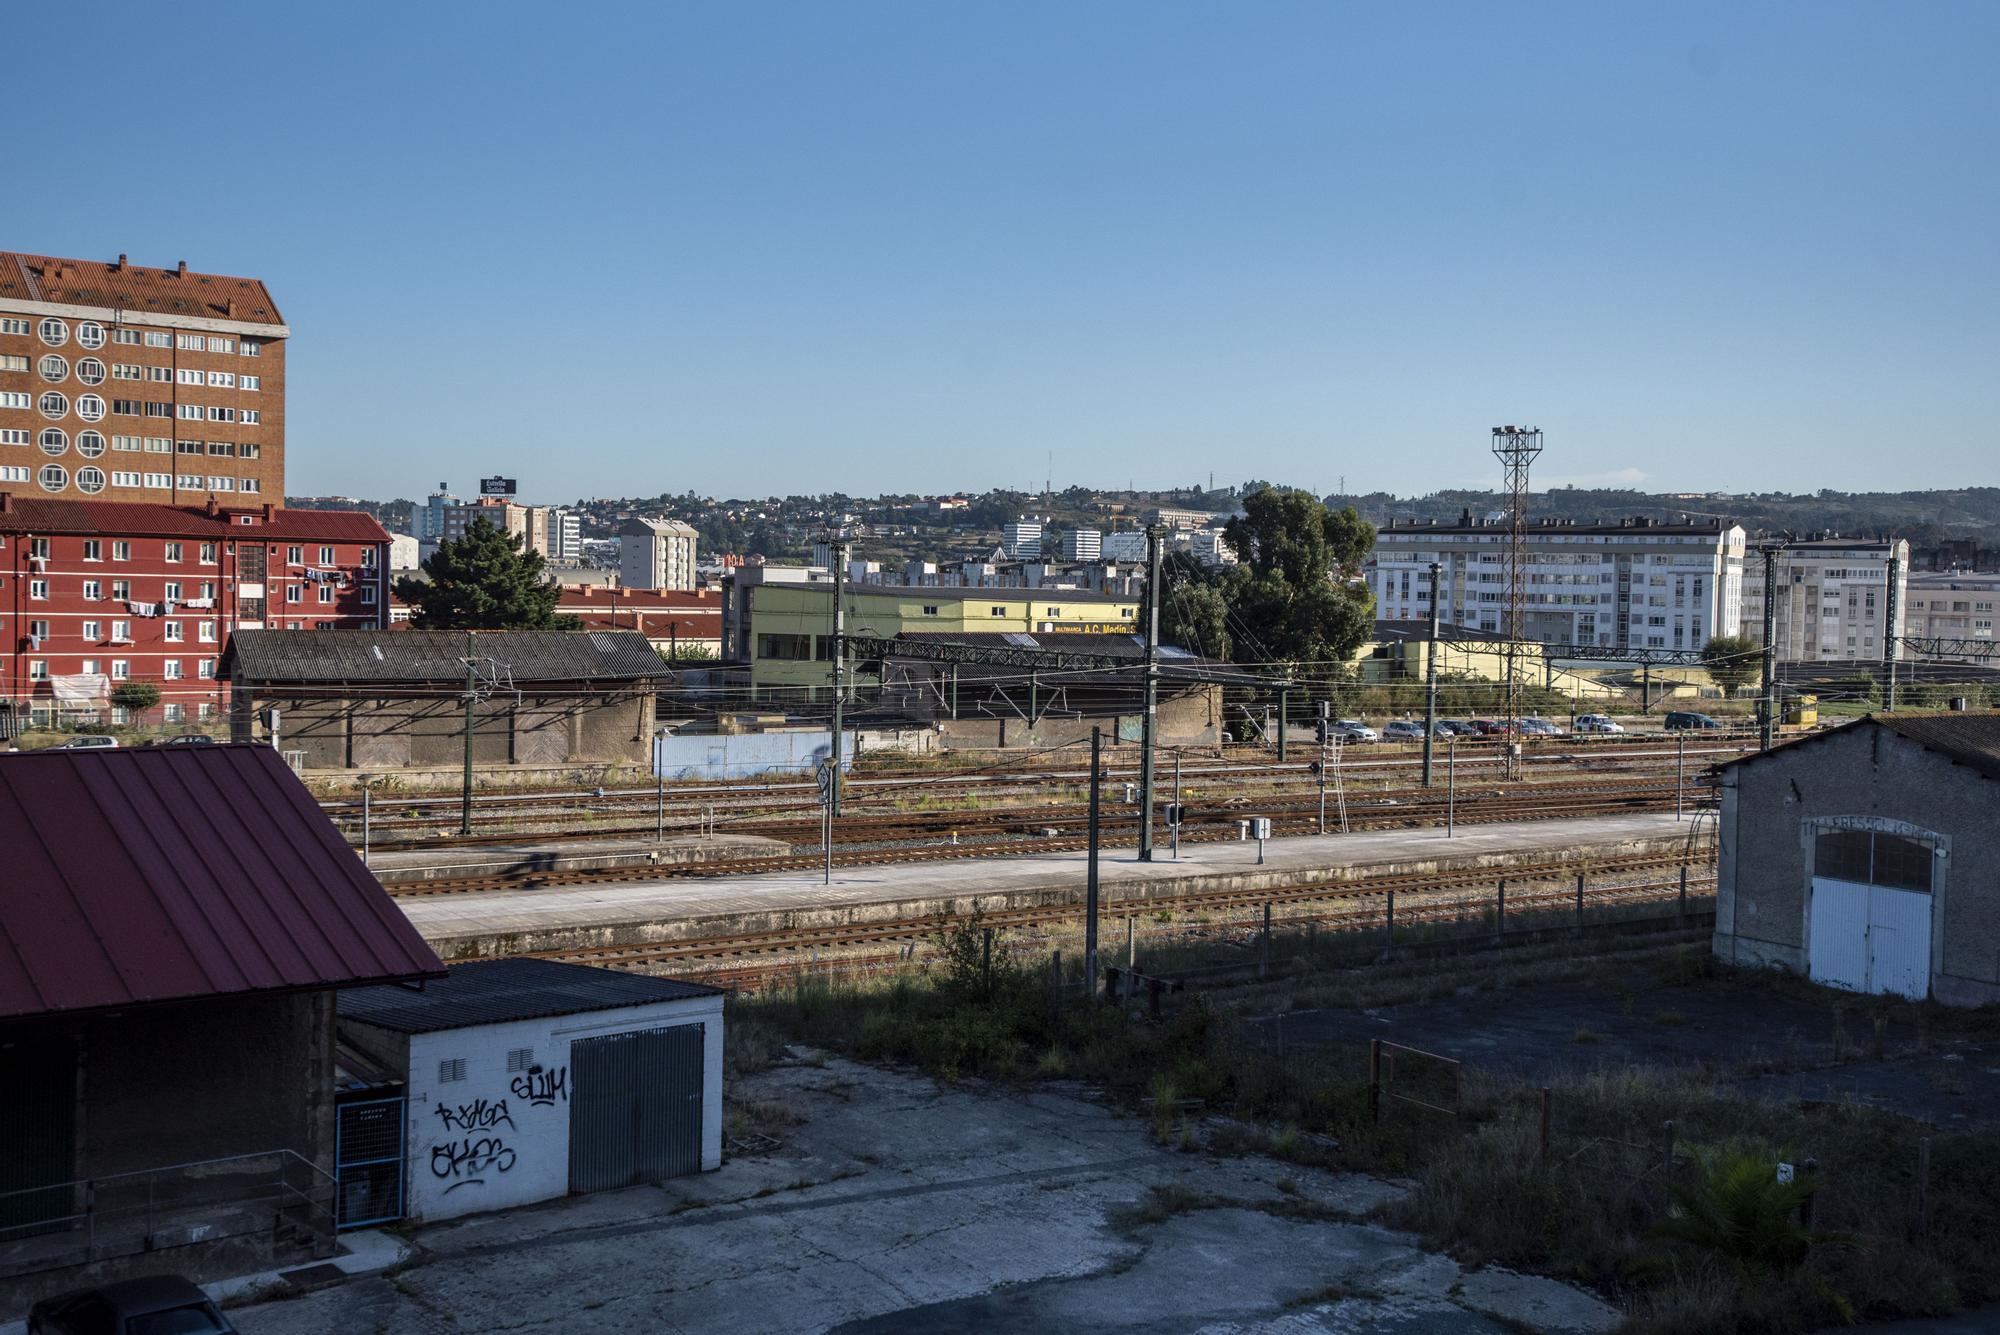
x=505, y=922
x=447, y=861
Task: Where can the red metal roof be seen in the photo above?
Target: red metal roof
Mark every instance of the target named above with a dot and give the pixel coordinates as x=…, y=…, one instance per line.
x=161, y=874
x=135, y=287
x=35, y=514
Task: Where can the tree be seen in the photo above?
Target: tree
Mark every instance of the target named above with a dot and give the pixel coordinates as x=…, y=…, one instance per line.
x=135, y=696
x=482, y=581
x=1297, y=596
x=1733, y=661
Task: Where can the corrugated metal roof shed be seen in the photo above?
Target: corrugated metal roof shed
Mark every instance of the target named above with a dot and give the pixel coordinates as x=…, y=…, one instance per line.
x=137, y=876
x=496, y=991
x=437, y=656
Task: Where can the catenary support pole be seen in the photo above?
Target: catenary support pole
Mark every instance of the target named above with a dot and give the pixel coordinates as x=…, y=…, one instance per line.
x=1090, y=885
x=1149, y=722
x=839, y=660
x=1431, y=677
x=1768, y=709
x=471, y=695
x=366, y=813
x=1892, y=629
x=1284, y=718
x=1451, y=787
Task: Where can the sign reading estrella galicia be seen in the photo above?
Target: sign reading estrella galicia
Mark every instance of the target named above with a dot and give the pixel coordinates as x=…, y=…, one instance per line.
x=496, y=486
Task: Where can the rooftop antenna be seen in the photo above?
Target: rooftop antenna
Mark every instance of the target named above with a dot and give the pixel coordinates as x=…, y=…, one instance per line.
x=1516, y=448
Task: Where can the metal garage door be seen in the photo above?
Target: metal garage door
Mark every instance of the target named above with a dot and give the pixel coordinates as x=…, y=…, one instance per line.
x=635, y=1107
x=1870, y=923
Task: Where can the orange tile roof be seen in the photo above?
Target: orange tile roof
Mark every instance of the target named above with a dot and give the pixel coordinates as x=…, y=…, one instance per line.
x=131, y=287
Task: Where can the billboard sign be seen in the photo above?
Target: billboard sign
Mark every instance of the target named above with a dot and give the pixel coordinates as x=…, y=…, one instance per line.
x=496, y=486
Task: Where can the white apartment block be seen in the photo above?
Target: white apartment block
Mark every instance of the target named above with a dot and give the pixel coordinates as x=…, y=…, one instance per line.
x=1128, y=547
x=1833, y=599
x=1023, y=539
x=1083, y=544
x=1951, y=607
x=656, y=554
x=1638, y=584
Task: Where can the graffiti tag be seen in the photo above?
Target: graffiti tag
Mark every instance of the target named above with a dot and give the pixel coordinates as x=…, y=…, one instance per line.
x=469, y=1159
x=477, y=1115
x=542, y=1088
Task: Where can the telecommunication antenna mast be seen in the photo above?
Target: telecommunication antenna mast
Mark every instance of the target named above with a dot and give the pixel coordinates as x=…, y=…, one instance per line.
x=1515, y=447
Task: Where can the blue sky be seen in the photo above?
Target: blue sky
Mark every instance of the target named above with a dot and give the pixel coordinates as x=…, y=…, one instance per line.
x=755, y=248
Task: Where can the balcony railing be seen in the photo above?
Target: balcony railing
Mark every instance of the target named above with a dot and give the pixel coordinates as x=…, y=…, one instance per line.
x=278, y=1194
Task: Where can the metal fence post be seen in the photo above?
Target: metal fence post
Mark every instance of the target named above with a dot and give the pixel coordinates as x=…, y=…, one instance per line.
x=1375, y=1080
x=1684, y=892
x=1389, y=918
x=1579, y=901
x=1131, y=940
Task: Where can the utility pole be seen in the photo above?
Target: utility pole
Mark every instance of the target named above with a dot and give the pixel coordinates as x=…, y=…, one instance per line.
x=1516, y=448
x=1431, y=678
x=839, y=657
x=1090, y=885
x=1890, y=631
x=471, y=694
x=1769, y=720
x=1325, y=727
x=1149, y=723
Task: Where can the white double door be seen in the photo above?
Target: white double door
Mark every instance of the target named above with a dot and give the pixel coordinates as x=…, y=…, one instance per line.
x=1869, y=938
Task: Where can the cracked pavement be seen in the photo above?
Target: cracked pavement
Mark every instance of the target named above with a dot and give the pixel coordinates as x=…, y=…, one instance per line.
x=901, y=1204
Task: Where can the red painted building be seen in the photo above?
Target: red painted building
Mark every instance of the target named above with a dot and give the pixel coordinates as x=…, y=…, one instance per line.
x=100, y=593
x=674, y=620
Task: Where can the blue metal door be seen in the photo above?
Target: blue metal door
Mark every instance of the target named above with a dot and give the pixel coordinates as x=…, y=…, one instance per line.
x=368, y=1161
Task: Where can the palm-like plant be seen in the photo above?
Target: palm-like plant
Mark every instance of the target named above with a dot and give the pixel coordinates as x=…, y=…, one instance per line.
x=1735, y=1209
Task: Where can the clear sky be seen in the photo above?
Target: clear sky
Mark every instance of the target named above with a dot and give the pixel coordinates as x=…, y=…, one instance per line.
x=754, y=248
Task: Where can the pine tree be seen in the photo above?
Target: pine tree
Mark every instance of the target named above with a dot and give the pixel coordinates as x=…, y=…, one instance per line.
x=482, y=581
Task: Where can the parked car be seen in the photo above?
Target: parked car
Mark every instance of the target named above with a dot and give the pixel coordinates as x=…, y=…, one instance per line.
x=1680, y=721
x=1598, y=723
x=1456, y=727
x=1489, y=727
x=1403, y=730
x=190, y=739
x=1354, y=730
x=86, y=742
x=156, y=1305
x=1539, y=727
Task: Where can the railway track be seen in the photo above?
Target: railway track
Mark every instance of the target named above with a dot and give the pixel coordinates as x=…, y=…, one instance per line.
x=1210, y=827
x=1351, y=905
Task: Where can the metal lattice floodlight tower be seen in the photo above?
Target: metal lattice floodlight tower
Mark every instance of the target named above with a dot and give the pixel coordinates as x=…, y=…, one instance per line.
x=1515, y=447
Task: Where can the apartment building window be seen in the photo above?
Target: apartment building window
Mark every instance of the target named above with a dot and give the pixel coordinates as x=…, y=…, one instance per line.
x=90, y=444
x=171, y=591
x=249, y=484
x=204, y=631
x=125, y=336
x=160, y=480
x=54, y=440
x=90, y=481
x=160, y=375
x=326, y=594
x=247, y=450
x=13, y=325
x=191, y=342
x=206, y=669
x=208, y=588
x=126, y=407
x=157, y=409
x=324, y=625
x=190, y=412
x=187, y=377
x=121, y=550
x=159, y=445
x=295, y=556
x=126, y=371
x=326, y=556
x=170, y=669
x=252, y=383
x=13, y=361
x=13, y=473
x=208, y=553
x=90, y=371
x=120, y=669
x=53, y=477
x=252, y=416
x=221, y=414
x=54, y=405
x=173, y=713
x=53, y=369
x=54, y=332
x=295, y=593
x=222, y=379
x=221, y=483
x=38, y=630
x=38, y=589
x=15, y=398
x=38, y=670
x=124, y=479
x=90, y=334
x=156, y=338
x=170, y=631
x=250, y=347
x=367, y=595
x=173, y=551
x=89, y=667
x=367, y=558
x=121, y=632
x=14, y=436
x=92, y=629
x=187, y=447
x=93, y=591
x=223, y=448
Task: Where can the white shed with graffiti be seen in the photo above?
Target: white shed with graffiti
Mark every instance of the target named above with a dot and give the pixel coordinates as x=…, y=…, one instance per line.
x=529, y=1079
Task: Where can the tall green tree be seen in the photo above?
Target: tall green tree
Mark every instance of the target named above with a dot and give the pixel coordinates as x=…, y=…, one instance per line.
x=1732, y=661
x=482, y=581
x=1298, y=595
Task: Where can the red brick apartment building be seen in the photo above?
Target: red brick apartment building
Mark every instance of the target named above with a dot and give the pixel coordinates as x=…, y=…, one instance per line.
x=125, y=383
x=93, y=595
x=673, y=620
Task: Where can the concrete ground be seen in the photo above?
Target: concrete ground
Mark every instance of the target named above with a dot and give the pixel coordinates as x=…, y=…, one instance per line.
x=894, y=1204
x=567, y=917
x=1540, y=1030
